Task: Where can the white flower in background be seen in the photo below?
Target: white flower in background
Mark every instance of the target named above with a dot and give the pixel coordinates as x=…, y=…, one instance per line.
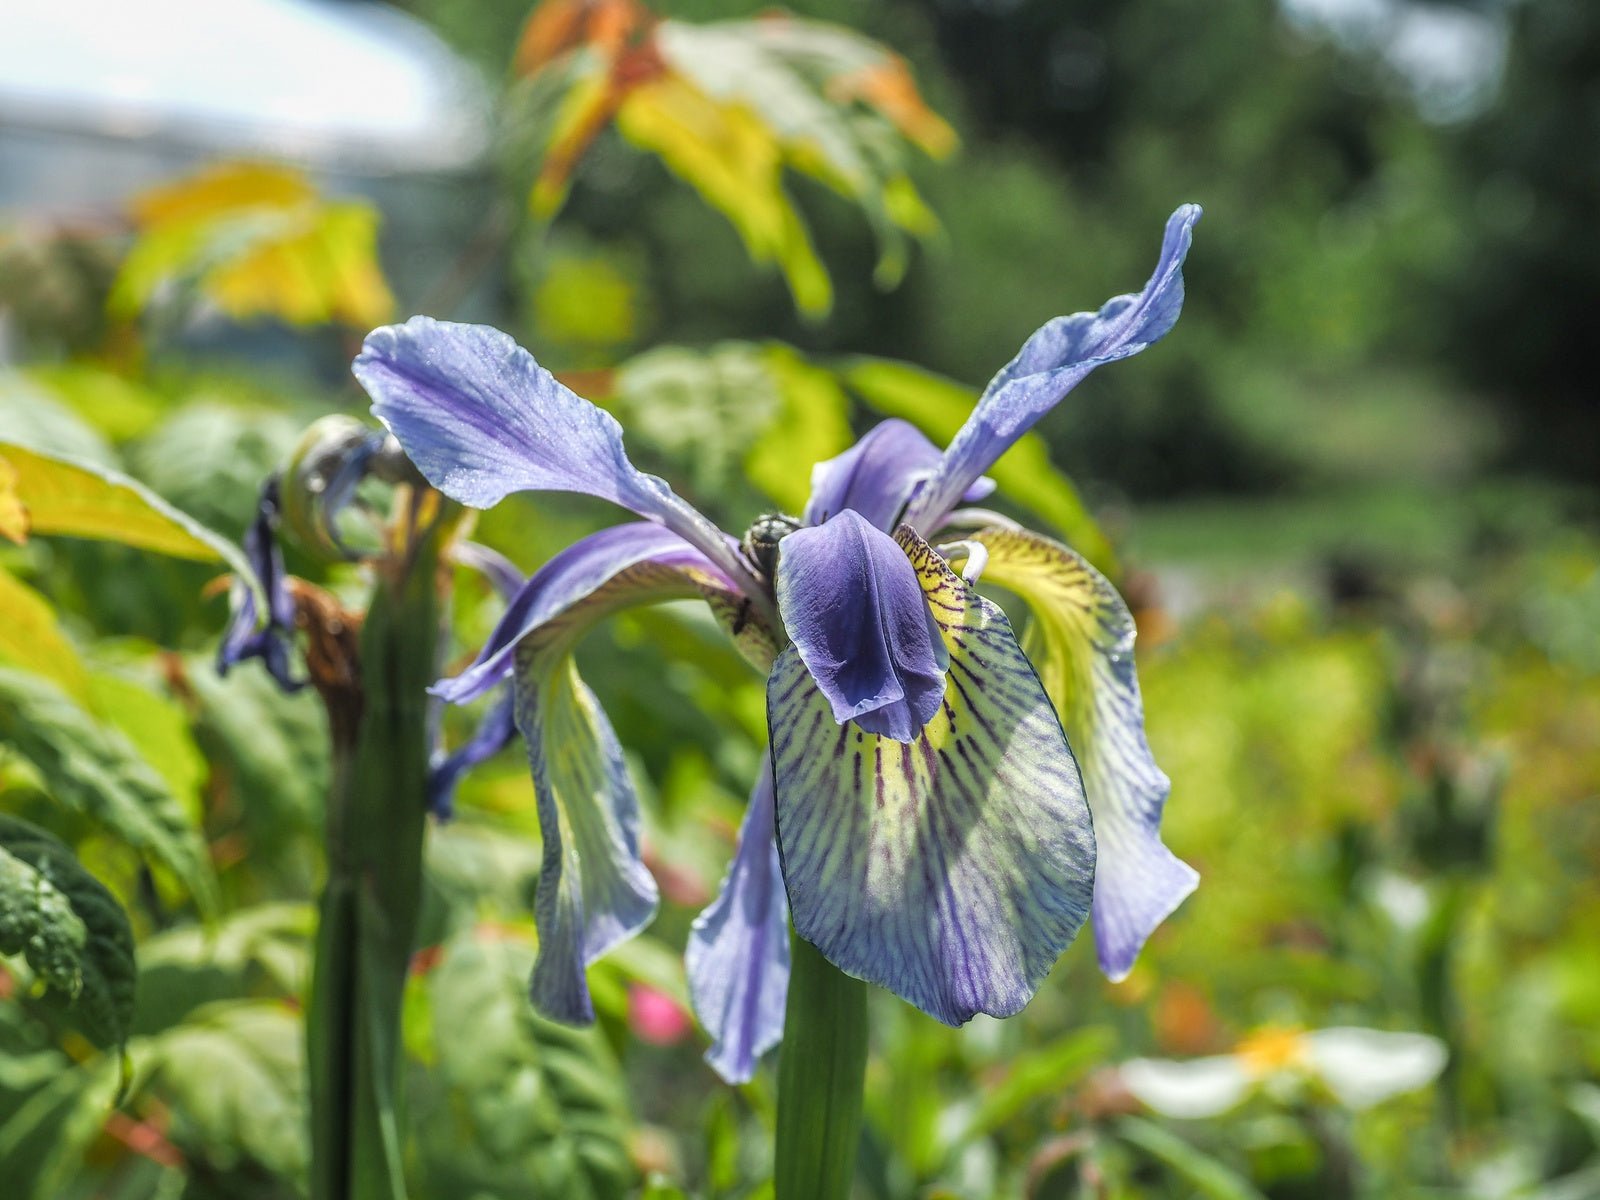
x=1359, y=1067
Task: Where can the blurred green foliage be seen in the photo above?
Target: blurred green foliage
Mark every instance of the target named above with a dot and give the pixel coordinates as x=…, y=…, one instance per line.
x=1368, y=641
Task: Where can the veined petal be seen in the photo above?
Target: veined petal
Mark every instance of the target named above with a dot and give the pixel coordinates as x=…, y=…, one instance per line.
x=877, y=475
x=738, y=955
x=858, y=618
x=625, y=565
x=481, y=418
x=1081, y=643
x=594, y=890
x=1050, y=364
x=952, y=869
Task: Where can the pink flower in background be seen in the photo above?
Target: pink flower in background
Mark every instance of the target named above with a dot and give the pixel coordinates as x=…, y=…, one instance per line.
x=656, y=1017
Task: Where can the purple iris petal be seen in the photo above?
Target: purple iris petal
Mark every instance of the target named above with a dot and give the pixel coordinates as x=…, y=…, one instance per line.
x=247, y=636
x=564, y=582
x=481, y=419
x=856, y=613
x=738, y=955
x=499, y=570
x=498, y=725
x=594, y=890
x=494, y=734
x=953, y=869
x=877, y=475
x=1050, y=364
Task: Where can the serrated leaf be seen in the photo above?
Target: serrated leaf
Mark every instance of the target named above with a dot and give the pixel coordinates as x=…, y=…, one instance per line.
x=92, y=768
x=158, y=729
x=269, y=749
x=232, y=1073
x=728, y=107
x=43, y=1142
x=1025, y=474
x=31, y=640
x=70, y=929
x=542, y=1108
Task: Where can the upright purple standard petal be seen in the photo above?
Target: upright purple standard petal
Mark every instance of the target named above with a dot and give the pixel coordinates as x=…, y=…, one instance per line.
x=1050, y=364
x=481, y=419
x=953, y=869
x=573, y=578
x=860, y=622
x=877, y=475
x=738, y=956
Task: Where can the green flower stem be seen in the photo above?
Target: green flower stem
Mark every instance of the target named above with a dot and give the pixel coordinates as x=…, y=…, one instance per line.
x=375, y=823
x=821, y=1067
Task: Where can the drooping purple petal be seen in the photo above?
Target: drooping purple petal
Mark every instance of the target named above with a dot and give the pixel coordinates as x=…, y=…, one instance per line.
x=247, y=635
x=877, y=475
x=636, y=563
x=494, y=733
x=497, y=726
x=954, y=869
x=1081, y=643
x=738, y=954
x=1050, y=364
x=499, y=570
x=481, y=418
x=860, y=623
x=594, y=890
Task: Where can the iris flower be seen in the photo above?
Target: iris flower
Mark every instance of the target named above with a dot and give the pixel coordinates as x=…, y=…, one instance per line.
x=924, y=815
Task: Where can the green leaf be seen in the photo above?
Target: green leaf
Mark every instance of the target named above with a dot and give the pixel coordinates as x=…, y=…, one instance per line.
x=185, y=968
x=1025, y=475
x=540, y=1108
x=232, y=1075
x=76, y=498
x=70, y=929
x=43, y=1143
x=812, y=424
x=94, y=769
x=1035, y=1076
x=1213, y=1179
x=158, y=729
x=31, y=639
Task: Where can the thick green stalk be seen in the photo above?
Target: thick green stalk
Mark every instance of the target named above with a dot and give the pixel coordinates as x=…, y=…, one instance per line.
x=820, y=1071
x=375, y=823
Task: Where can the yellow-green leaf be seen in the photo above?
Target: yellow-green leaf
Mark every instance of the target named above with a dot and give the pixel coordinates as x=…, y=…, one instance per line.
x=75, y=499
x=812, y=423
x=31, y=639
x=735, y=162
